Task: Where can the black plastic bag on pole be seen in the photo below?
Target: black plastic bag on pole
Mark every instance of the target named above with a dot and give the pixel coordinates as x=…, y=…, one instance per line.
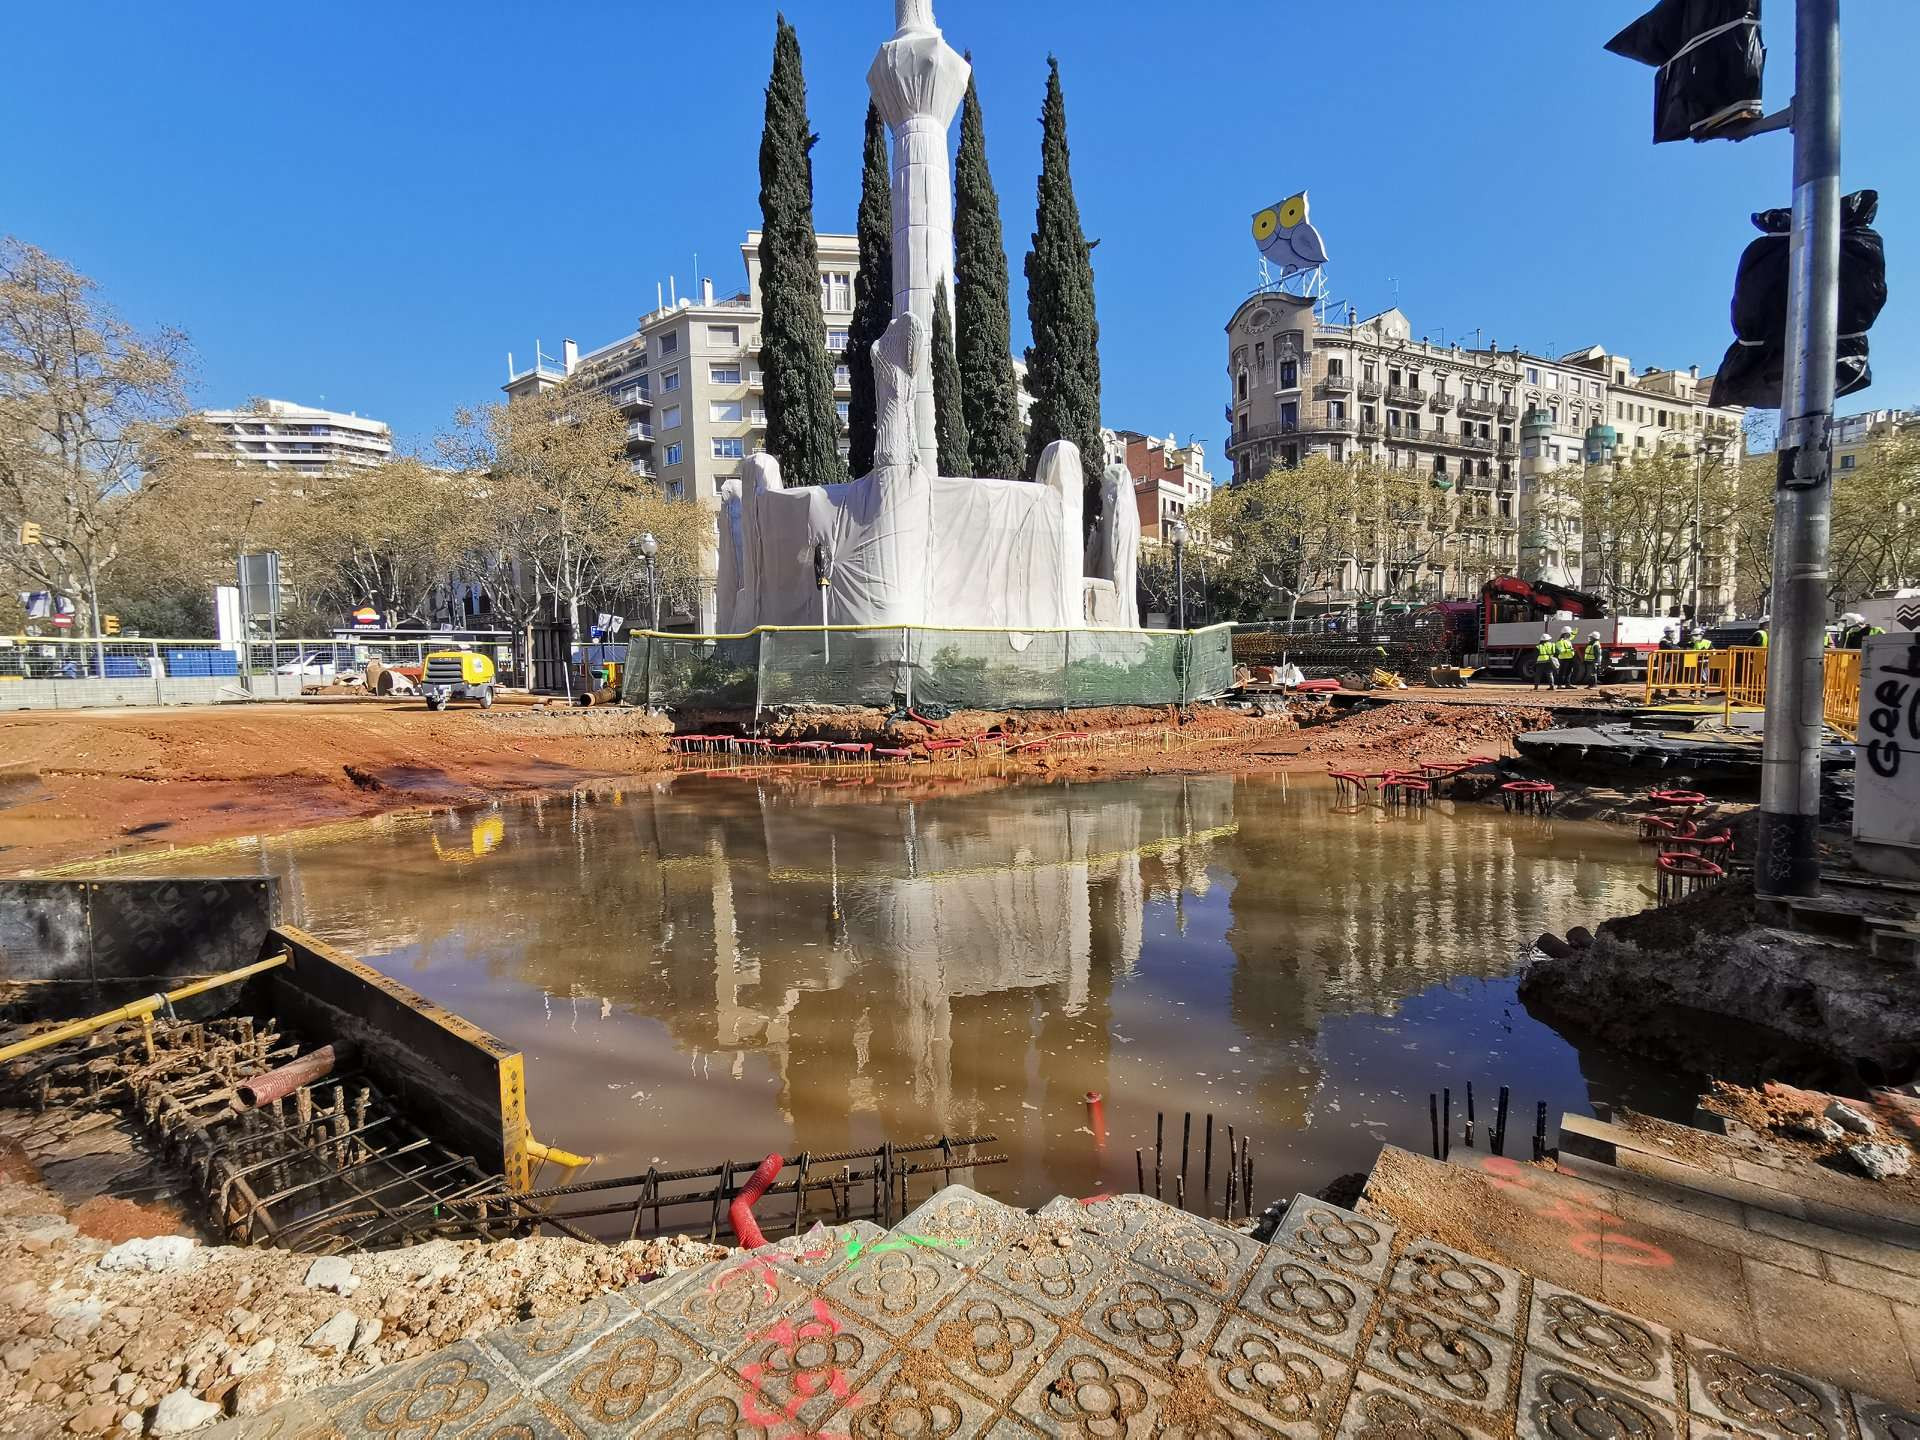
x=1755, y=364
x=1711, y=59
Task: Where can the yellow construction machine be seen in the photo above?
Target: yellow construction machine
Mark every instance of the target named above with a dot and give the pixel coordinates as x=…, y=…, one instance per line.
x=457, y=674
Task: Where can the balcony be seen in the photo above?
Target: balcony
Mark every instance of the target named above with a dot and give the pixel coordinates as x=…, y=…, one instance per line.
x=1268, y=431
x=756, y=379
x=1405, y=395
x=1507, y=411
x=757, y=417
x=1469, y=405
x=1321, y=419
x=1370, y=428
x=1480, y=443
x=1507, y=450
x=1336, y=384
x=1439, y=401
x=632, y=395
x=639, y=430
x=1369, y=389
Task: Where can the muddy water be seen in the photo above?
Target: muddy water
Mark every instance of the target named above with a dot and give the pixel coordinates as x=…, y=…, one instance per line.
x=715, y=968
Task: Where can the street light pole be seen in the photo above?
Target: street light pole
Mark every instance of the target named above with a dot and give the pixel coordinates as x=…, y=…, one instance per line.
x=1788, y=862
x=1178, y=530
x=649, y=547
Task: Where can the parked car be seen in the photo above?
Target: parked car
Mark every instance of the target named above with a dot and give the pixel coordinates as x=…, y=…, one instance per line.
x=314, y=665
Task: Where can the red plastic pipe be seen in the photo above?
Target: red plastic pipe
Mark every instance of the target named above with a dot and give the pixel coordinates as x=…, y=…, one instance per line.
x=275, y=1084
x=740, y=1213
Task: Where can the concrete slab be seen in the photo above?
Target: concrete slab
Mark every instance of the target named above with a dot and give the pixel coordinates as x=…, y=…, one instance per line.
x=1698, y=1288
x=1847, y=1334
x=1864, y=1248
x=1758, y=1398
x=1658, y=1223
x=1557, y=1400
x=1338, y=1238
x=1638, y=1354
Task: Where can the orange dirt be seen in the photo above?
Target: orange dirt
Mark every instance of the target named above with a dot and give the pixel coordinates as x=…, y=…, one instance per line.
x=113, y=1220
x=90, y=784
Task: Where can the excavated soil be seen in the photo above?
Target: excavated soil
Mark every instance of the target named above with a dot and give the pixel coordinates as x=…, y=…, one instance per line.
x=85, y=1344
x=86, y=785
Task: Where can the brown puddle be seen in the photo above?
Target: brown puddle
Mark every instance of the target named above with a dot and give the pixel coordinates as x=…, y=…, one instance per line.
x=712, y=968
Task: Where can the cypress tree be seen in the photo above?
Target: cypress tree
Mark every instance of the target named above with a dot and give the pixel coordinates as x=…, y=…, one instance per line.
x=989, y=394
x=1063, y=363
x=872, y=291
x=803, y=429
x=949, y=414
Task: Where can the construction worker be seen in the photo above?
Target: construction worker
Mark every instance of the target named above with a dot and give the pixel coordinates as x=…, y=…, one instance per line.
x=1700, y=641
x=1760, y=635
x=1565, y=652
x=1546, y=661
x=1857, y=631
x=1670, y=637
x=1594, y=660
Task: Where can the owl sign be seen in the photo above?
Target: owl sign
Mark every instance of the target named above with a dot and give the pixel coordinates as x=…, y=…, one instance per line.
x=1287, y=238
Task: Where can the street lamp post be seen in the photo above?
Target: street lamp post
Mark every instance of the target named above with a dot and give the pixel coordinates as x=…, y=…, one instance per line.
x=1178, y=532
x=649, y=547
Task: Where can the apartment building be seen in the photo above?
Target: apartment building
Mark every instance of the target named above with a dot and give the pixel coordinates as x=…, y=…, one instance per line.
x=1854, y=436
x=1503, y=436
x=1169, y=479
x=688, y=379
x=280, y=435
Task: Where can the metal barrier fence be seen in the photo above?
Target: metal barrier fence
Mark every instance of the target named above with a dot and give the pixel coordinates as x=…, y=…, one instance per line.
x=38, y=672
x=1737, y=676
x=926, y=666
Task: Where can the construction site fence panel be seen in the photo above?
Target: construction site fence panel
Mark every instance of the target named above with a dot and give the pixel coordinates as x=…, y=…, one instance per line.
x=894, y=667
x=1737, y=676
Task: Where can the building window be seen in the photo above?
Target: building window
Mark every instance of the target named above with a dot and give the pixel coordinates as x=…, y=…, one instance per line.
x=1243, y=385
x=1533, y=374
x=1260, y=356
x=840, y=408
x=836, y=341
x=1290, y=416
x=1242, y=423
x=669, y=381
x=673, y=455
x=725, y=336
x=1369, y=371
x=1366, y=415
x=1593, y=389
x=724, y=412
x=1289, y=375
x=1336, y=366
x=836, y=291
x=1506, y=472
x=1393, y=420
x=723, y=374
x=1413, y=424
x=1506, y=501
x=1663, y=419
x=842, y=377
x=670, y=418
x=725, y=448
x=669, y=342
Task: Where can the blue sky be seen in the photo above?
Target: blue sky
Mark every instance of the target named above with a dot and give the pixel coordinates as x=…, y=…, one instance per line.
x=374, y=203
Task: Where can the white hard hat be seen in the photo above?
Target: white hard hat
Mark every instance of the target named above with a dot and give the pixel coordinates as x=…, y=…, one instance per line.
x=1593, y=634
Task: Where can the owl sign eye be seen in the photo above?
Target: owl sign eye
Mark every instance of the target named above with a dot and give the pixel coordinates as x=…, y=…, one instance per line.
x=1265, y=223
x=1293, y=211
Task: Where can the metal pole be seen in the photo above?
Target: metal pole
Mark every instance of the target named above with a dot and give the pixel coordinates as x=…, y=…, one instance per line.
x=1180, y=581
x=653, y=594
x=1788, y=862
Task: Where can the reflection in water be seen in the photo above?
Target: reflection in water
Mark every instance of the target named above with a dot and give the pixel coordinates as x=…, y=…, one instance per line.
x=715, y=968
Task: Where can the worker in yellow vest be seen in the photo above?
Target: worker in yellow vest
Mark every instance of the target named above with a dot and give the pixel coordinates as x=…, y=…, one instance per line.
x=1564, y=654
x=1594, y=660
x=1546, y=661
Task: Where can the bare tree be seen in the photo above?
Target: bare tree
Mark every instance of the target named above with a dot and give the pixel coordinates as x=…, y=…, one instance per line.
x=89, y=413
x=1291, y=531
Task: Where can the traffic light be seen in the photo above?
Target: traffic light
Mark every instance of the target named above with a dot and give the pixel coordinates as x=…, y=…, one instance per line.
x=1710, y=61
x=29, y=533
x=110, y=624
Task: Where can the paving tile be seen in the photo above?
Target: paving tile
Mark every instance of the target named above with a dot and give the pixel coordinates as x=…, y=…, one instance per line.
x=1884, y=1420
x=1557, y=1401
x=1286, y=1387
x=968, y=1226
x=1059, y=1281
x=1332, y=1236
x=535, y=1347
x=1712, y=1192
x=1761, y=1399
x=1199, y=1253
x=1087, y=1393
x=910, y=1395
x=1150, y=1319
x=1907, y=1317
x=896, y=1289
x=1444, y=1358
x=989, y=1341
x=808, y=1363
x=814, y=1255
x=1864, y=1248
x=1308, y=1299
x=1628, y=1351
x=1379, y=1411
x=1871, y=1278
x=624, y=1377
x=1116, y=1221
x=1845, y=1335
x=720, y=1306
x=524, y=1419
x=1431, y=1274
x=719, y=1408
x=1005, y=1427
x=1688, y=1286
x=442, y=1394
x=303, y=1418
